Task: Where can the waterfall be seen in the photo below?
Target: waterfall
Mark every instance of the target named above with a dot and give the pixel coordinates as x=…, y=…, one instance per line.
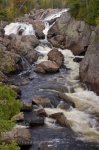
x=86, y=102
x=49, y=18
x=19, y=28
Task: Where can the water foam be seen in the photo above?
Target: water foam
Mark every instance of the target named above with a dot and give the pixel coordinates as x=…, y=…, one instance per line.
x=13, y=28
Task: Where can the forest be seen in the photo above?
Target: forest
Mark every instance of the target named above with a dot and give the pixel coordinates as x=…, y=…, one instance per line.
x=87, y=10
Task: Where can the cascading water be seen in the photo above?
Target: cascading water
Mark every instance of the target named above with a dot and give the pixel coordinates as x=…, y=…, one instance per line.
x=83, y=118
x=86, y=102
x=14, y=28
x=51, y=17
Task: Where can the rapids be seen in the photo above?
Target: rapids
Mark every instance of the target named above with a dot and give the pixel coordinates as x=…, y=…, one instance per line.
x=14, y=28
x=83, y=119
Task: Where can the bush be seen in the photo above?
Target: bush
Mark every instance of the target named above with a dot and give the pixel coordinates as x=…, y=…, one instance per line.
x=9, y=107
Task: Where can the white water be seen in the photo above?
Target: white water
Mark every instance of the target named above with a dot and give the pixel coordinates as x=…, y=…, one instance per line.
x=79, y=122
x=87, y=102
x=15, y=27
x=55, y=15
x=51, y=17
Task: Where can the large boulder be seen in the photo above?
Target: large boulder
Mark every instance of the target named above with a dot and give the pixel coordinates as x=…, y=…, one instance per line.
x=30, y=40
x=47, y=66
x=60, y=118
x=24, y=46
x=58, y=41
x=41, y=101
x=21, y=135
x=39, y=27
x=76, y=33
x=56, y=56
x=89, y=67
x=10, y=62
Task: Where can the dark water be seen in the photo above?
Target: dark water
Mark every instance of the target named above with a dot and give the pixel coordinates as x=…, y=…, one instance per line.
x=54, y=138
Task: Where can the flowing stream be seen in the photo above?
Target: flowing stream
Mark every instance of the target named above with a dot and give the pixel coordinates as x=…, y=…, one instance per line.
x=83, y=119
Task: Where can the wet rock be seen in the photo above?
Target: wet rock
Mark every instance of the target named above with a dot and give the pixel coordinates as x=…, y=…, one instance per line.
x=18, y=117
x=47, y=66
x=41, y=112
x=20, y=31
x=41, y=101
x=63, y=105
x=56, y=56
x=60, y=118
x=26, y=106
x=21, y=135
x=78, y=59
x=89, y=67
x=39, y=27
x=10, y=62
x=36, y=121
x=67, y=99
x=24, y=82
x=3, y=78
x=46, y=146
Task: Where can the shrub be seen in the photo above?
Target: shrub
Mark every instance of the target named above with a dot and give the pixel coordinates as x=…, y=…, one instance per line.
x=9, y=107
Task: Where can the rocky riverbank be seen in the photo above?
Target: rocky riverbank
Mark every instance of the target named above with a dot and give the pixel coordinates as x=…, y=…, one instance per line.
x=34, y=56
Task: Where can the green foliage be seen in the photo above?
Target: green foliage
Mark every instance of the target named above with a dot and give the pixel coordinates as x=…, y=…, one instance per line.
x=12, y=146
x=9, y=107
x=87, y=10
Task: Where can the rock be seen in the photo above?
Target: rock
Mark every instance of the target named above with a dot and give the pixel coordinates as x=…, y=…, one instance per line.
x=2, y=32
x=2, y=47
x=36, y=121
x=58, y=41
x=24, y=46
x=3, y=78
x=66, y=98
x=76, y=34
x=16, y=89
x=56, y=56
x=30, y=40
x=89, y=67
x=21, y=135
x=41, y=112
x=46, y=146
x=60, y=118
x=10, y=62
x=63, y=105
x=18, y=117
x=5, y=41
x=20, y=31
x=47, y=66
x=39, y=27
x=41, y=101
x=26, y=106
x=54, y=42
